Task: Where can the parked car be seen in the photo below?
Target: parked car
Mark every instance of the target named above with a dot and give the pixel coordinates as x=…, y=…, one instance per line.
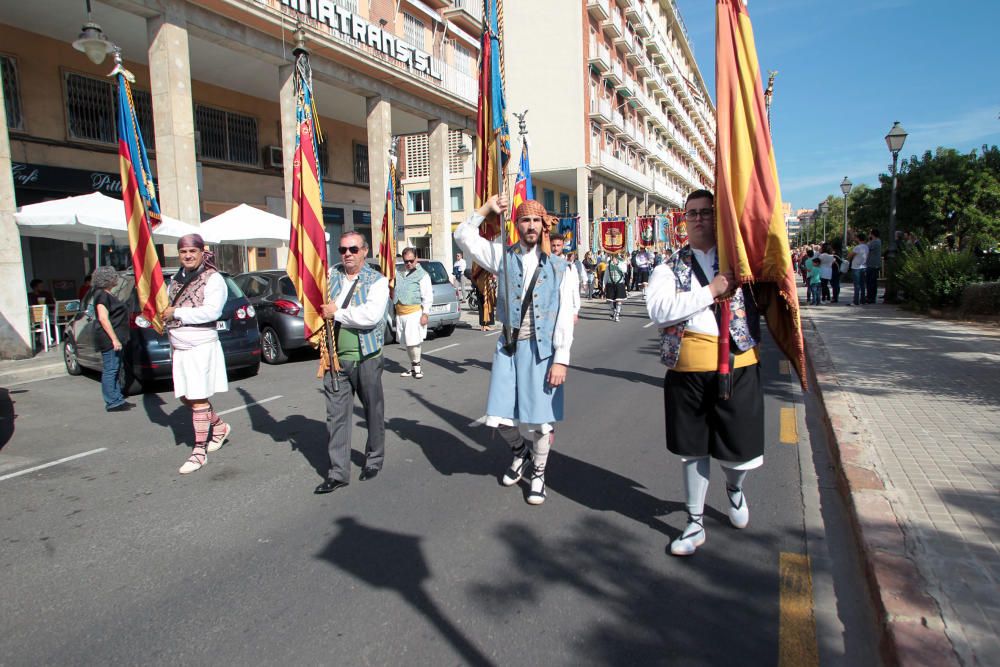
x=447, y=309
x=147, y=355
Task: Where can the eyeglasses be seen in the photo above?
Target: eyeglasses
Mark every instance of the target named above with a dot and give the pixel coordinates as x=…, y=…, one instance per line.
x=409, y=261
x=353, y=249
x=704, y=213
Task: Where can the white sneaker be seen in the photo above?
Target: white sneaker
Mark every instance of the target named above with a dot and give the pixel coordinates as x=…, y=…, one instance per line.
x=739, y=510
x=194, y=462
x=536, y=495
x=215, y=444
x=692, y=538
x=522, y=457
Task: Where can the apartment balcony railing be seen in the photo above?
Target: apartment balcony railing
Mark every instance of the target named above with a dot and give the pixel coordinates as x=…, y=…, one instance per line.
x=616, y=74
x=621, y=169
x=600, y=57
x=668, y=192
x=612, y=27
x=466, y=13
x=599, y=9
x=627, y=86
x=618, y=121
x=600, y=111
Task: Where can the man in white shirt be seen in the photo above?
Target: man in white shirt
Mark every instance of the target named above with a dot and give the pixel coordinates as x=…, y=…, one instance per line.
x=534, y=305
x=859, y=262
x=557, y=242
x=458, y=269
x=413, y=297
x=357, y=301
x=701, y=424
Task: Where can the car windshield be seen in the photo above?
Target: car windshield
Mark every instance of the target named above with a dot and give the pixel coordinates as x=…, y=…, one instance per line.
x=437, y=273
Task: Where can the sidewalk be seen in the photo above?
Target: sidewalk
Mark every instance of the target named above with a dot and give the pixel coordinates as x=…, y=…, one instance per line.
x=42, y=366
x=913, y=407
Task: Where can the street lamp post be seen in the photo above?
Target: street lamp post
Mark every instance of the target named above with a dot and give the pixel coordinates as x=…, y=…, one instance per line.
x=824, y=208
x=845, y=187
x=894, y=140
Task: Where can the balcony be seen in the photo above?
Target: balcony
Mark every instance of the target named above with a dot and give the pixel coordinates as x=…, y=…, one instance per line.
x=598, y=9
x=619, y=169
x=665, y=190
x=615, y=74
x=635, y=51
x=617, y=122
x=627, y=87
x=612, y=27
x=600, y=111
x=643, y=68
x=632, y=11
x=467, y=14
x=646, y=26
x=599, y=59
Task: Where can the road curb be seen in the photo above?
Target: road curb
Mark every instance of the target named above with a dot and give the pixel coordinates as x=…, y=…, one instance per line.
x=31, y=373
x=911, y=627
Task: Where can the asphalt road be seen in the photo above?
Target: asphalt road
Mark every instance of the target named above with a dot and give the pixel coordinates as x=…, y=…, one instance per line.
x=114, y=558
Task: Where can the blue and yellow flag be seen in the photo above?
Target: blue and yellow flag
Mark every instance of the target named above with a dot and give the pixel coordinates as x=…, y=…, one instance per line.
x=492, y=132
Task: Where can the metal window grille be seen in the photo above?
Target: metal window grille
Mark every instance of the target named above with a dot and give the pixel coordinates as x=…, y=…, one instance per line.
x=227, y=136
x=324, y=157
x=11, y=93
x=417, y=160
x=413, y=31
x=361, y=164
x=463, y=58
x=92, y=110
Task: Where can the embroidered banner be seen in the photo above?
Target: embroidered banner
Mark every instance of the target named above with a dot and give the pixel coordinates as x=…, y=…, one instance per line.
x=612, y=234
x=647, y=230
x=568, y=229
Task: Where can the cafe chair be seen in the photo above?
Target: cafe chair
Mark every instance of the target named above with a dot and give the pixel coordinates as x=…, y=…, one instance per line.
x=40, y=324
x=65, y=312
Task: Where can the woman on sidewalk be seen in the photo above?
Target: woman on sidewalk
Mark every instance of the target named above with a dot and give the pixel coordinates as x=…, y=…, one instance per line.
x=110, y=336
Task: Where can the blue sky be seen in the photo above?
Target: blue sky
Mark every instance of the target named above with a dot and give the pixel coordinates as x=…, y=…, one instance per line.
x=834, y=103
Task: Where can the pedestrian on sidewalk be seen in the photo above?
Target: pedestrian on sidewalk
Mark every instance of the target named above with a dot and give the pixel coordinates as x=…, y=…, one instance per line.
x=682, y=300
x=858, y=257
x=356, y=303
x=197, y=295
x=110, y=337
x=815, y=284
x=534, y=299
x=836, y=273
x=590, y=267
x=826, y=270
x=458, y=270
x=873, y=266
x=615, y=279
x=413, y=299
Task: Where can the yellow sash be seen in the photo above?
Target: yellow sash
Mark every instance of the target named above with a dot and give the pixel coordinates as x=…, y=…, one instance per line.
x=700, y=354
x=404, y=309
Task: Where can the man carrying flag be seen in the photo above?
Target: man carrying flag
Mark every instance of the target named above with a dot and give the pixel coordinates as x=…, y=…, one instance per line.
x=705, y=298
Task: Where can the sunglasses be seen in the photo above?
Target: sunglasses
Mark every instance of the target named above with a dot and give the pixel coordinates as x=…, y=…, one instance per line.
x=409, y=261
x=354, y=250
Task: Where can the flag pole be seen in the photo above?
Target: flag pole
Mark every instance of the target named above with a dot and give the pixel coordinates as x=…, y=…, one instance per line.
x=503, y=245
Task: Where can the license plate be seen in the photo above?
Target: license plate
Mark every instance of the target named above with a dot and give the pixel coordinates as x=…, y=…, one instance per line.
x=222, y=325
x=444, y=308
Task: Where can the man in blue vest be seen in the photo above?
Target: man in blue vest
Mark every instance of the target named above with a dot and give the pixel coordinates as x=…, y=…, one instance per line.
x=534, y=303
x=359, y=295
x=700, y=424
x=413, y=297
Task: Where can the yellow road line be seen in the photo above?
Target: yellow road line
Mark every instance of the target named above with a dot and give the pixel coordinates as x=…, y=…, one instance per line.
x=789, y=431
x=797, y=631
x=784, y=367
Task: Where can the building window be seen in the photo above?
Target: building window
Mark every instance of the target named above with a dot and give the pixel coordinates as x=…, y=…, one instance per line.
x=413, y=31
x=323, y=155
x=361, y=164
x=549, y=199
x=349, y=5
x=564, y=204
x=11, y=93
x=457, y=199
x=463, y=58
x=226, y=136
x=92, y=110
x=417, y=162
x=419, y=201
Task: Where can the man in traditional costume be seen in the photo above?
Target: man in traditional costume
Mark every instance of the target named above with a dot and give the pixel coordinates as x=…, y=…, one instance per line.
x=682, y=300
x=615, y=279
x=557, y=243
x=413, y=298
x=534, y=297
x=197, y=295
x=358, y=297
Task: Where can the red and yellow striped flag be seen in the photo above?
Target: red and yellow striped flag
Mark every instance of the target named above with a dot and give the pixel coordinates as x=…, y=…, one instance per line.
x=752, y=239
x=142, y=213
x=307, y=261
x=387, y=248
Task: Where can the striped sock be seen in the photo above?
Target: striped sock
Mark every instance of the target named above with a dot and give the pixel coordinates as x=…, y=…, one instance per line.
x=201, y=419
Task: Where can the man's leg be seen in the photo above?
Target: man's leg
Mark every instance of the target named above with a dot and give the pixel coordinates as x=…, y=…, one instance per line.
x=373, y=401
x=339, y=415
x=110, y=366
x=739, y=511
x=696, y=474
x=871, y=289
x=201, y=411
x=541, y=442
x=413, y=352
x=522, y=456
x=859, y=286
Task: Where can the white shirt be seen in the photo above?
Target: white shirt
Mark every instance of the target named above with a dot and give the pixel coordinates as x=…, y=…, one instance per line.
x=826, y=261
x=367, y=314
x=667, y=306
x=459, y=266
x=489, y=255
x=860, y=259
x=573, y=274
x=216, y=293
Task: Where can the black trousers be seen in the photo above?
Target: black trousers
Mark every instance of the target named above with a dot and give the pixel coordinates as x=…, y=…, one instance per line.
x=700, y=424
x=363, y=378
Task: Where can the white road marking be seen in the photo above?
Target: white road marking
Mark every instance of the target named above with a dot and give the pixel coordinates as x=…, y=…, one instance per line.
x=493, y=333
x=244, y=407
x=442, y=348
x=646, y=326
x=479, y=422
x=52, y=463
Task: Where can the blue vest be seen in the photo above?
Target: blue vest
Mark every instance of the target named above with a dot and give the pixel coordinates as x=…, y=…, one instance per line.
x=408, y=286
x=371, y=339
x=545, y=299
x=744, y=328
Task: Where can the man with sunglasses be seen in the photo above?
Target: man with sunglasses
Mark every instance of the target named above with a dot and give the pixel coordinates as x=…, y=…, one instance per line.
x=682, y=300
x=413, y=298
x=534, y=302
x=358, y=297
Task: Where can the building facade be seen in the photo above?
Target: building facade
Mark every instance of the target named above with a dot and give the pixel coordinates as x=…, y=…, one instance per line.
x=214, y=97
x=619, y=118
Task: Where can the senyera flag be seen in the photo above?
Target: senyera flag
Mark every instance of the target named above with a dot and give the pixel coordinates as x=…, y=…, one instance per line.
x=387, y=247
x=307, y=257
x=752, y=239
x=142, y=213
x=523, y=189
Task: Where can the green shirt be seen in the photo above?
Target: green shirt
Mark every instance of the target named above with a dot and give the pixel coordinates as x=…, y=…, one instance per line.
x=349, y=346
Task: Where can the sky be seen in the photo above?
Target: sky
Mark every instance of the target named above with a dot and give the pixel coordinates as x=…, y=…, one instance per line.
x=848, y=68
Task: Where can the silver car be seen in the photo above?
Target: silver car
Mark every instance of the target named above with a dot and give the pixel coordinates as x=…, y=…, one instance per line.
x=446, y=311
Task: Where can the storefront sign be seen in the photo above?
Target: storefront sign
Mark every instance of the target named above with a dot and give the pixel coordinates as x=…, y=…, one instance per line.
x=352, y=27
x=61, y=179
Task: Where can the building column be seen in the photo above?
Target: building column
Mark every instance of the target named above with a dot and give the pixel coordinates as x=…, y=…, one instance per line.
x=622, y=203
x=633, y=206
x=440, y=182
x=582, y=207
x=611, y=203
x=379, y=138
x=289, y=121
x=173, y=114
x=600, y=200
x=15, y=327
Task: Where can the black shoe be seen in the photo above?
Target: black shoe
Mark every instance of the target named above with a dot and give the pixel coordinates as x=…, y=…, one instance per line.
x=369, y=473
x=122, y=407
x=329, y=486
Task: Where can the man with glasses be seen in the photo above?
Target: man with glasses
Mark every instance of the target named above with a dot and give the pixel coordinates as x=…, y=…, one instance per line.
x=359, y=295
x=682, y=300
x=413, y=298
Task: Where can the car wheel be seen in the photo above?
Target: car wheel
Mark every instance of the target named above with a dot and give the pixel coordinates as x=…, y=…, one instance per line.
x=270, y=347
x=131, y=385
x=69, y=356
x=445, y=331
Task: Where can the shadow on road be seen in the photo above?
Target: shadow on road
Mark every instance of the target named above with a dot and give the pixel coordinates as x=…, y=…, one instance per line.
x=178, y=421
x=631, y=376
x=304, y=435
x=7, y=417
x=395, y=561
